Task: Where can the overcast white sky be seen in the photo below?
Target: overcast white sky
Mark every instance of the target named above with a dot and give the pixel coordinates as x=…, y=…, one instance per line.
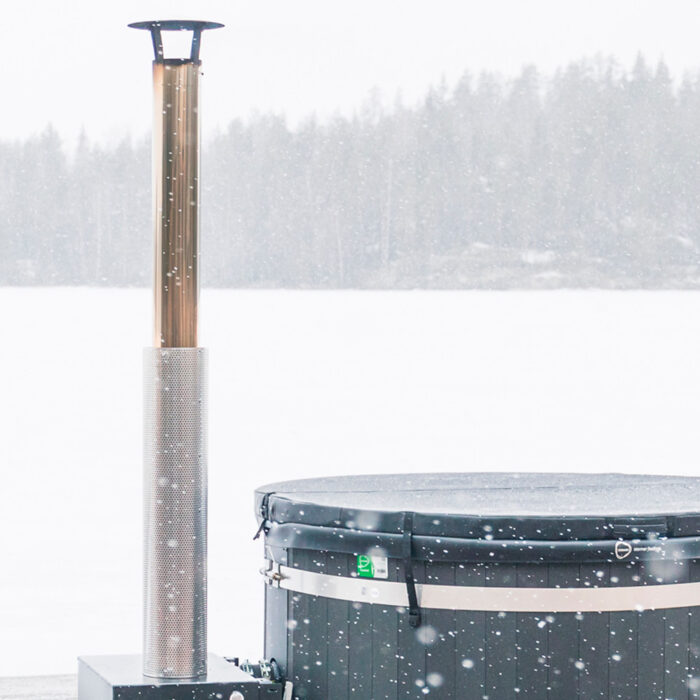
x=75, y=64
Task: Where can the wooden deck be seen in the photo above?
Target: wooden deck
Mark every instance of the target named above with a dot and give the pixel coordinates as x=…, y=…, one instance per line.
x=39, y=688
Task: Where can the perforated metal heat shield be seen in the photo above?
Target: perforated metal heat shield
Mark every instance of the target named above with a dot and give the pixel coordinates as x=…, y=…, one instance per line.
x=175, y=510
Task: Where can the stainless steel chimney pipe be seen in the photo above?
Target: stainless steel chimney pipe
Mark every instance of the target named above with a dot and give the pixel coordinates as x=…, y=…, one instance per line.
x=175, y=381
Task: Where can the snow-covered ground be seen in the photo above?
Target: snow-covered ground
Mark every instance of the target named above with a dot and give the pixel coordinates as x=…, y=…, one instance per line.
x=305, y=384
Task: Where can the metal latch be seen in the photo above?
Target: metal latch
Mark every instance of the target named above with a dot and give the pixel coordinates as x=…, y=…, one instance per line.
x=273, y=574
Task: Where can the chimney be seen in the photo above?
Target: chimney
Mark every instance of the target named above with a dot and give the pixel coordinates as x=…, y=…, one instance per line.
x=174, y=662
x=175, y=379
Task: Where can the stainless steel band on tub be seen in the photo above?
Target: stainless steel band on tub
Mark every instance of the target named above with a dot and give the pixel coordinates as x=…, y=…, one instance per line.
x=488, y=599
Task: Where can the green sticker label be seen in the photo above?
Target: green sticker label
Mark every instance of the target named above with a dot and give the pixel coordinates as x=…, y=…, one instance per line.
x=372, y=567
x=365, y=568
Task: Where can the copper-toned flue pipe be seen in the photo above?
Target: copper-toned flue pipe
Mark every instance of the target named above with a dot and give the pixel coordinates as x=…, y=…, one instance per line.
x=176, y=202
x=176, y=185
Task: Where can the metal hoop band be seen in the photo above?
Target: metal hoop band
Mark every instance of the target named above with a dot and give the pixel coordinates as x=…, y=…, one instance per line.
x=489, y=599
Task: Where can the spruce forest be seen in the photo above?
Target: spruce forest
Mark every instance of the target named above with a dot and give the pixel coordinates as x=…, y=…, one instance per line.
x=586, y=178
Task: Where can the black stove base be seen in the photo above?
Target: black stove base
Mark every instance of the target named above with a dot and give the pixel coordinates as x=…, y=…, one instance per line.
x=121, y=678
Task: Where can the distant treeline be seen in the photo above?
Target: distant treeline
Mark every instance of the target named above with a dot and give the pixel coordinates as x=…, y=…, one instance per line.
x=590, y=177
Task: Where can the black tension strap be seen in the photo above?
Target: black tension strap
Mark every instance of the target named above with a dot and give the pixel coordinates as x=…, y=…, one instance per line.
x=414, y=616
x=264, y=515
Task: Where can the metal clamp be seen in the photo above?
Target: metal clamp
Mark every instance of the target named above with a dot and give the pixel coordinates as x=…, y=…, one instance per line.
x=273, y=574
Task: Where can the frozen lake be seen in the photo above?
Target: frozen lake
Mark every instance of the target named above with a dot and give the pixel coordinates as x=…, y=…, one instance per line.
x=305, y=384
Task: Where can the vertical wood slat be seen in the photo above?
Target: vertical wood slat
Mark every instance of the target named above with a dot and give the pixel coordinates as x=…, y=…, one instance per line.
x=311, y=627
x=651, y=653
x=298, y=611
x=360, y=663
x=337, y=631
x=623, y=639
x=470, y=647
x=318, y=631
x=563, y=630
x=500, y=639
x=594, y=646
x=532, y=638
x=676, y=639
x=385, y=646
x=440, y=656
x=412, y=659
x=276, y=616
x=694, y=639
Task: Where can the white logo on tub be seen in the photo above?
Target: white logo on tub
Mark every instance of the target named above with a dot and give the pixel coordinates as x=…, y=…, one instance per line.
x=622, y=549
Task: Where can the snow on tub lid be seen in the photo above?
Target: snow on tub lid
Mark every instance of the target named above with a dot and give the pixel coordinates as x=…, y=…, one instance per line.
x=500, y=505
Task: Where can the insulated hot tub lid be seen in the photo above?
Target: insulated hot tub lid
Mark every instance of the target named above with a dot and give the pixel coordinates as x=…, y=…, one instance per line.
x=547, y=583
x=502, y=506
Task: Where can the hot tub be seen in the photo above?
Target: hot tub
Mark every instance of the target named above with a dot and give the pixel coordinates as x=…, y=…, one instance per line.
x=484, y=586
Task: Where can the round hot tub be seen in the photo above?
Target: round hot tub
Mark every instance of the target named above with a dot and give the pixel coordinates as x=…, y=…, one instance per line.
x=484, y=586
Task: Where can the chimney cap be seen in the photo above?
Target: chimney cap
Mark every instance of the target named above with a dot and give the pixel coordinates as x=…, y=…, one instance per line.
x=175, y=25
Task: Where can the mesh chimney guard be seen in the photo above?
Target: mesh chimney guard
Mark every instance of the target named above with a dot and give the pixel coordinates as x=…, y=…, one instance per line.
x=175, y=383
